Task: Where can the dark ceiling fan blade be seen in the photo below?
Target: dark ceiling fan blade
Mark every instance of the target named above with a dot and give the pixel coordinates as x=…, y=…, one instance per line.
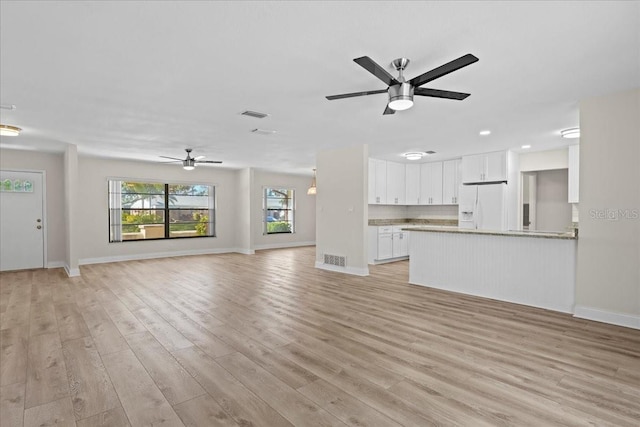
x=388, y=110
x=208, y=161
x=351, y=95
x=436, y=93
x=371, y=66
x=443, y=70
x=172, y=158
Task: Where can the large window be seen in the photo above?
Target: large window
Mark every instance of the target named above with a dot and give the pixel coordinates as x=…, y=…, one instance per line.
x=147, y=210
x=279, y=210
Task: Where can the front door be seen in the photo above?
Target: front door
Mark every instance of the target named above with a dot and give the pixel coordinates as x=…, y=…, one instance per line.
x=21, y=220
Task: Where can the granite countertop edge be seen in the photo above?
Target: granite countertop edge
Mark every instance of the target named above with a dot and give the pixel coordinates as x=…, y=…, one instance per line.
x=539, y=235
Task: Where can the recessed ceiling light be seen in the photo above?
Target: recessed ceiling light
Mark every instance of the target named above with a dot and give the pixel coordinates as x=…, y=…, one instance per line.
x=570, y=133
x=526, y=146
x=413, y=156
x=485, y=132
x=8, y=130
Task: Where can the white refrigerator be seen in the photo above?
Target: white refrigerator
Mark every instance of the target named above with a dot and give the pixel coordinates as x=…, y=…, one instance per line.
x=483, y=207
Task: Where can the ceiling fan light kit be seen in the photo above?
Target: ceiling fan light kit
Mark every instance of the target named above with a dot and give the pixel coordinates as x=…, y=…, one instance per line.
x=401, y=92
x=190, y=163
x=8, y=130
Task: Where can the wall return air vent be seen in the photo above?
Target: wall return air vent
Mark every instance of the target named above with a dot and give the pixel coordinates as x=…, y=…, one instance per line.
x=337, y=260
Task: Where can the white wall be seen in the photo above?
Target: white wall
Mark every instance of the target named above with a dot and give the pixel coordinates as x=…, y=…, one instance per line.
x=553, y=211
x=544, y=160
x=341, y=207
x=71, y=213
x=305, y=210
x=92, y=223
x=608, y=272
x=243, y=211
x=53, y=165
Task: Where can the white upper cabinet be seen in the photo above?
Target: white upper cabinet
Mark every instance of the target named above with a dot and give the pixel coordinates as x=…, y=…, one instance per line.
x=396, y=183
x=487, y=167
x=412, y=183
x=431, y=183
x=450, y=181
x=377, y=182
x=574, y=173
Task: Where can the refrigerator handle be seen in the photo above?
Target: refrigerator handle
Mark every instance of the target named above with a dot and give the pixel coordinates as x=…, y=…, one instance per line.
x=476, y=211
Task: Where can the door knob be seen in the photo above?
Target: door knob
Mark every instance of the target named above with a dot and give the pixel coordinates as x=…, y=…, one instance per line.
x=38, y=220
x=39, y=227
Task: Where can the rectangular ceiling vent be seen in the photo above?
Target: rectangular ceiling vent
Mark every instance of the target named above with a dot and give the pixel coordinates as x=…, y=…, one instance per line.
x=254, y=114
x=430, y=152
x=263, y=131
x=337, y=260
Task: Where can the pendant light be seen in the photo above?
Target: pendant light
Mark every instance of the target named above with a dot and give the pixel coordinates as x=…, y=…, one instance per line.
x=312, y=190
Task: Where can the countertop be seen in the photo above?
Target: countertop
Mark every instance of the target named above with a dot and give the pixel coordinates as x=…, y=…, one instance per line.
x=534, y=234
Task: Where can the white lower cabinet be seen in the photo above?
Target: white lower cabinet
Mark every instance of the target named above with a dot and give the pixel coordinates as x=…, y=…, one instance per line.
x=388, y=243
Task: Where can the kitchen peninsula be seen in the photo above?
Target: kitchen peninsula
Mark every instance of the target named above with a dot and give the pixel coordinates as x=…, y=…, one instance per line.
x=531, y=268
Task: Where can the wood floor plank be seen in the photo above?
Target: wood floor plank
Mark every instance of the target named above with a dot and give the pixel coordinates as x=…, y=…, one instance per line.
x=344, y=406
x=141, y=399
x=244, y=406
x=203, y=411
x=46, y=372
x=112, y=418
x=91, y=388
x=124, y=320
x=58, y=413
x=71, y=324
x=166, y=334
x=12, y=404
x=13, y=354
x=287, y=401
x=104, y=333
x=173, y=381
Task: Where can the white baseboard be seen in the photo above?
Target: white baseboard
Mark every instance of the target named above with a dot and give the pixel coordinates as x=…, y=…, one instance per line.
x=346, y=270
x=72, y=272
x=244, y=251
x=620, y=319
x=283, y=245
x=151, y=255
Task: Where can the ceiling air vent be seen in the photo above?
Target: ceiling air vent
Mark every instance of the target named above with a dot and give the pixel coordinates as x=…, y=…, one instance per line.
x=254, y=114
x=430, y=152
x=263, y=131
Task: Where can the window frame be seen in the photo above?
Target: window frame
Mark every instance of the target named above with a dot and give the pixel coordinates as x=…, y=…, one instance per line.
x=115, y=196
x=265, y=210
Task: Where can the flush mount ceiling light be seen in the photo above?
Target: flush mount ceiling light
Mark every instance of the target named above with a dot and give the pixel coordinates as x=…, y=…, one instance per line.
x=8, y=130
x=485, y=132
x=413, y=156
x=570, y=133
x=526, y=147
x=312, y=190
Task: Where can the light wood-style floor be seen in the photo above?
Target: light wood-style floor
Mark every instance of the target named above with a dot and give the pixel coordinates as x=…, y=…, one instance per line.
x=228, y=340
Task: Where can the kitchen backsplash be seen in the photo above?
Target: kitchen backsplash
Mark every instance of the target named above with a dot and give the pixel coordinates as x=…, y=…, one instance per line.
x=417, y=212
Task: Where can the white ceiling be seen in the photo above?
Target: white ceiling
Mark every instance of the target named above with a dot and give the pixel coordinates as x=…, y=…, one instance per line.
x=144, y=79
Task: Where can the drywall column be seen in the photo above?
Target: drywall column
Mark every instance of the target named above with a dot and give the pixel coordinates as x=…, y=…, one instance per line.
x=341, y=209
x=71, y=209
x=608, y=272
x=245, y=226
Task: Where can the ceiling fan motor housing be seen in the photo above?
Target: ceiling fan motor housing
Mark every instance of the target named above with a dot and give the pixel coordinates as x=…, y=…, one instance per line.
x=401, y=96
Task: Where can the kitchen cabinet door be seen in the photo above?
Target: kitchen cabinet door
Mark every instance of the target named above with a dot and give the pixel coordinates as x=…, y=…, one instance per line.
x=385, y=246
x=450, y=181
x=495, y=166
x=412, y=184
x=574, y=173
x=472, y=168
x=431, y=183
x=396, y=183
x=487, y=167
x=377, y=182
x=400, y=243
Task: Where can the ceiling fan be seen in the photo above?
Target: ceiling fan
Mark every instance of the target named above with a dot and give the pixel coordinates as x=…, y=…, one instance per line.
x=400, y=91
x=190, y=162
